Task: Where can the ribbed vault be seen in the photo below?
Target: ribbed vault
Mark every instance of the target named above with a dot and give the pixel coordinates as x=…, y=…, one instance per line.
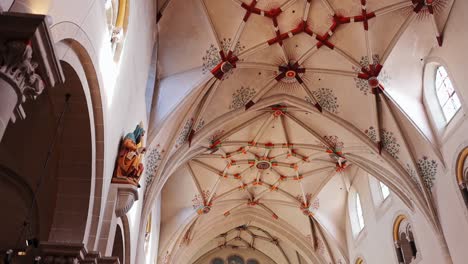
x=276, y=105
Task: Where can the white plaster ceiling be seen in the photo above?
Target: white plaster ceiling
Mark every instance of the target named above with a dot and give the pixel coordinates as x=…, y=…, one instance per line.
x=307, y=108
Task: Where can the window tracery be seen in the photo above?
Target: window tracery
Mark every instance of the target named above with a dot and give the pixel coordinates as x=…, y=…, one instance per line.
x=446, y=95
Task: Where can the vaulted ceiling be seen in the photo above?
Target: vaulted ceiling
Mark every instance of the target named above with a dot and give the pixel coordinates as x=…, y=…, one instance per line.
x=269, y=108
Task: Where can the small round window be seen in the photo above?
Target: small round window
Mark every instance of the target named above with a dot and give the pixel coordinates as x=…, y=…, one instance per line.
x=446, y=95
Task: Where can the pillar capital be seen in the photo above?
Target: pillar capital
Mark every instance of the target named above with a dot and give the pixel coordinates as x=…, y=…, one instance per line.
x=27, y=57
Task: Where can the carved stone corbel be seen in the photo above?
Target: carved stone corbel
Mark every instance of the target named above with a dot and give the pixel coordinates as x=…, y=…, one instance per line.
x=127, y=195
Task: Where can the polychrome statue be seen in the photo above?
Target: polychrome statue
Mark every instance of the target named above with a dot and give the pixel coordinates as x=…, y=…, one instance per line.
x=129, y=167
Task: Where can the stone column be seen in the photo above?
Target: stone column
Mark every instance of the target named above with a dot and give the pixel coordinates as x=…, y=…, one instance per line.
x=27, y=63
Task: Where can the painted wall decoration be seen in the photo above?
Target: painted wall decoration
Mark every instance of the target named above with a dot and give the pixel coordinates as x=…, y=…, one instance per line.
x=152, y=161
x=389, y=141
x=183, y=136
x=428, y=170
x=226, y=45
x=371, y=133
x=413, y=175
x=326, y=98
x=241, y=96
x=211, y=59
x=361, y=84
x=212, y=56
x=199, y=201
x=215, y=136
x=200, y=125
x=129, y=165
x=334, y=142
x=437, y=5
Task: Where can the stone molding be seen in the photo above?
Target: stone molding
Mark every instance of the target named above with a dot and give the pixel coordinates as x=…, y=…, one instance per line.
x=127, y=195
x=71, y=253
x=65, y=253
x=27, y=57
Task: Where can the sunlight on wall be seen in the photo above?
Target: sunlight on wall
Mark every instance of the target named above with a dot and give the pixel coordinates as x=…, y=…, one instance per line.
x=109, y=69
x=30, y=6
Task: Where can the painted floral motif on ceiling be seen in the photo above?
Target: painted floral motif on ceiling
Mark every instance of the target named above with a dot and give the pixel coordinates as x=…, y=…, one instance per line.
x=314, y=205
x=326, y=98
x=437, y=5
x=362, y=84
x=241, y=96
x=199, y=200
x=413, y=175
x=200, y=125
x=428, y=170
x=213, y=58
x=152, y=159
x=215, y=136
x=183, y=136
x=334, y=142
x=389, y=141
x=320, y=247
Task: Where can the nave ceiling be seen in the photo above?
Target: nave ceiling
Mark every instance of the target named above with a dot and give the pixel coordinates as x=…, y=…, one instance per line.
x=275, y=106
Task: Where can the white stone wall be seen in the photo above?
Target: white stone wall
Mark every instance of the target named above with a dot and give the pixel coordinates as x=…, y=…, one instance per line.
x=121, y=84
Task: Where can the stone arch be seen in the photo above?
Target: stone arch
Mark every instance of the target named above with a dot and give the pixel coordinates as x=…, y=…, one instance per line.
x=402, y=186
x=127, y=239
x=57, y=160
x=14, y=187
x=394, y=176
x=75, y=48
x=118, y=248
x=210, y=229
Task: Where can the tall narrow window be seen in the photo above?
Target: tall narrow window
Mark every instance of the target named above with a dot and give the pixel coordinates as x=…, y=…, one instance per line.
x=360, y=217
x=384, y=190
x=448, y=98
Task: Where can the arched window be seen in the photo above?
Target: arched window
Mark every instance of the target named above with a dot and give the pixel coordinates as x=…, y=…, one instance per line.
x=446, y=95
x=384, y=190
x=403, y=237
x=235, y=259
x=217, y=261
x=359, y=214
x=117, y=13
x=462, y=174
